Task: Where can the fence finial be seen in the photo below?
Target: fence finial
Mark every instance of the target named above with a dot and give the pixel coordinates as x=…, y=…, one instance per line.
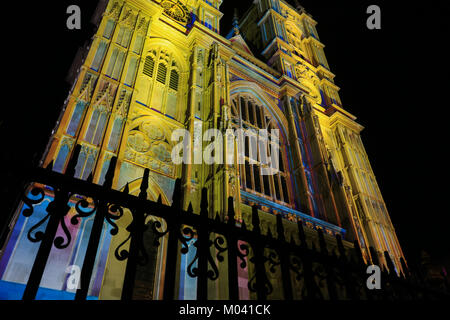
x=159, y=201
x=126, y=190
x=204, y=203
x=255, y=219
x=374, y=256
x=230, y=214
x=322, y=243
x=243, y=225
x=49, y=167
x=269, y=233
x=280, y=228
x=301, y=233
x=190, y=209
x=340, y=246
x=292, y=241
x=70, y=171
x=109, y=177
x=177, y=194
x=390, y=264
x=144, y=184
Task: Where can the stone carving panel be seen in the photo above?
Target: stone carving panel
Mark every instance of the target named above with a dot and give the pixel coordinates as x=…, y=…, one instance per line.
x=148, y=145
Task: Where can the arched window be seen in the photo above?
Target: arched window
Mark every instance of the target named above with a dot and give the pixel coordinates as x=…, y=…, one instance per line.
x=163, y=77
x=76, y=117
x=124, y=36
x=85, y=162
x=250, y=115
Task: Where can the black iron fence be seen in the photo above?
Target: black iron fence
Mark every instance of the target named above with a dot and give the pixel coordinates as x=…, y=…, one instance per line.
x=302, y=271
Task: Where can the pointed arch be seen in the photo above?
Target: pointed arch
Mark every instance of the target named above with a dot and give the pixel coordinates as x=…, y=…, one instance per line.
x=161, y=77
x=179, y=55
x=153, y=191
x=251, y=88
x=255, y=109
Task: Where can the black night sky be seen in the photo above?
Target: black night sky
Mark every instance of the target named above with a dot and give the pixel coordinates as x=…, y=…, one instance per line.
x=395, y=80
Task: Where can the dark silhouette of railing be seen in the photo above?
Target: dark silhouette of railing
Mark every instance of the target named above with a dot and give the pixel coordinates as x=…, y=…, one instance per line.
x=323, y=274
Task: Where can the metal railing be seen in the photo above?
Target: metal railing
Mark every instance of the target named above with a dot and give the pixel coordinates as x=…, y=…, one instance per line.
x=321, y=272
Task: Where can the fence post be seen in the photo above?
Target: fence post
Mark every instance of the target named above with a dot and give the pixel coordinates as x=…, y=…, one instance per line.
x=203, y=248
x=327, y=262
x=57, y=210
x=233, y=286
x=305, y=256
x=345, y=268
x=94, y=238
x=284, y=260
x=258, y=252
x=173, y=226
x=137, y=229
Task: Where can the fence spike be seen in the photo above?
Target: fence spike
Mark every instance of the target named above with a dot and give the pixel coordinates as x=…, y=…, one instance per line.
x=358, y=252
x=144, y=184
x=255, y=219
x=374, y=256
x=90, y=178
x=177, y=194
x=301, y=233
x=389, y=263
x=269, y=233
x=293, y=240
x=190, y=210
x=50, y=166
x=231, y=211
x=159, y=201
x=126, y=190
x=70, y=171
x=204, y=203
x=243, y=225
x=280, y=228
x=217, y=218
x=109, y=177
x=322, y=243
x=340, y=246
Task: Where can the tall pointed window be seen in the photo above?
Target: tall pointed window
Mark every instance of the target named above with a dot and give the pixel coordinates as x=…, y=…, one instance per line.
x=124, y=36
x=109, y=28
x=115, y=63
x=99, y=55
x=96, y=127
x=251, y=116
x=163, y=77
x=149, y=65
x=76, y=117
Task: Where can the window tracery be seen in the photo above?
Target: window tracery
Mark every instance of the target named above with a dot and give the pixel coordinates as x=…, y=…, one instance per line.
x=250, y=115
